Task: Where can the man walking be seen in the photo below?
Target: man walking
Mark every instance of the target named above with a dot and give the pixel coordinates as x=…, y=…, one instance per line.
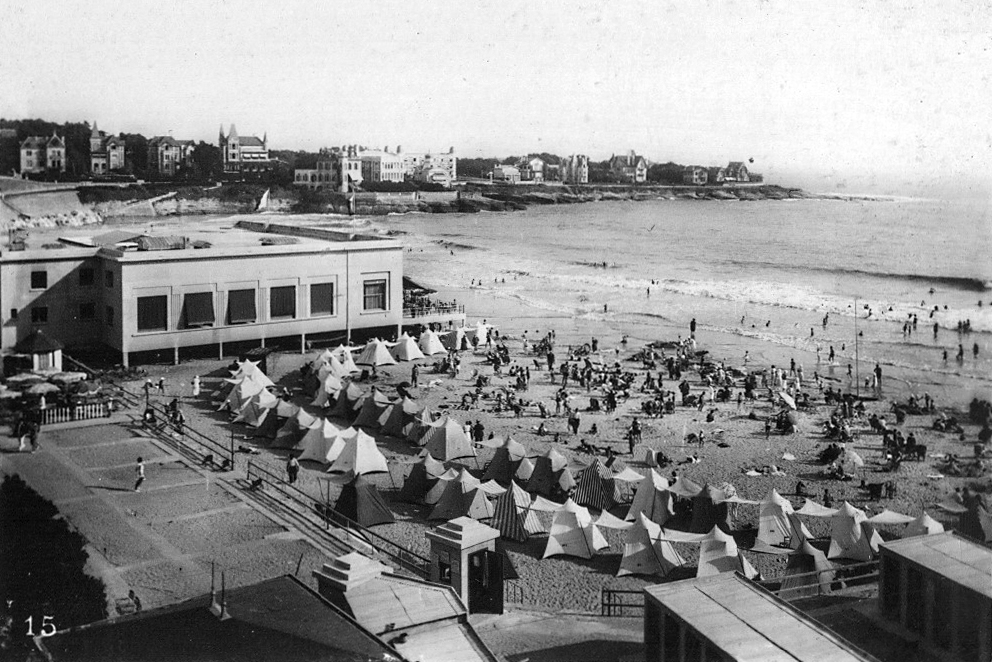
x=140, y=472
x=293, y=469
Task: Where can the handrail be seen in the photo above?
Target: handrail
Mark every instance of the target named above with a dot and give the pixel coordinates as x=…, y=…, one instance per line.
x=841, y=574
x=210, y=446
x=404, y=557
x=612, y=603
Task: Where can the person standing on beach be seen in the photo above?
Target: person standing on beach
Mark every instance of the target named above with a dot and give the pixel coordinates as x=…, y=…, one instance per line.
x=692, y=327
x=878, y=375
x=831, y=355
x=196, y=386
x=292, y=469
x=935, y=328
x=974, y=350
x=161, y=385
x=414, y=375
x=140, y=472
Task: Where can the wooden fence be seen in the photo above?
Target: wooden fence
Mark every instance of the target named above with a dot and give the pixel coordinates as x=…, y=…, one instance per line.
x=84, y=412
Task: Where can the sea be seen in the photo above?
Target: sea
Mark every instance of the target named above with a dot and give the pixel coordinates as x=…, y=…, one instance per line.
x=782, y=280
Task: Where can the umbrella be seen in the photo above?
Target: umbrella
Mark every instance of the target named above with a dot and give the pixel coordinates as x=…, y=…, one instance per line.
x=787, y=399
x=6, y=393
x=25, y=378
x=68, y=377
x=42, y=388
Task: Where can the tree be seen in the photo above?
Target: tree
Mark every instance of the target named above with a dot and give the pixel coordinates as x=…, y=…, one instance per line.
x=135, y=153
x=666, y=173
x=208, y=163
x=43, y=570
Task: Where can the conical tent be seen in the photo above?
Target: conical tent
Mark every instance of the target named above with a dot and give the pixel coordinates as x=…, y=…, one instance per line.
x=406, y=349
x=719, y=553
x=344, y=408
x=430, y=344
x=369, y=413
x=851, y=536
x=774, y=527
x=397, y=416
x=798, y=581
x=683, y=487
x=285, y=408
x=508, y=518
x=334, y=367
x=327, y=390
x=360, y=456
x=268, y=427
x=256, y=409
x=645, y=552
x=422, y=477
x=321, y=360
x=505, y=461
x=323, y=443
x=798, y=533
x=653, y=499
x=532, y=523
x=446, y=440
x=416, y=428
x=709, y=510
x=596, y=487
x=375, y=354
x=294, y=429
x=525, y=470
x=361, y=502
x=924, y=525
x=250, y=370
x=240, y=393
x=434, y=493
x=573, y=533
x=344, y=357
x=454, y=339
x=546, y=479
x=459, y=501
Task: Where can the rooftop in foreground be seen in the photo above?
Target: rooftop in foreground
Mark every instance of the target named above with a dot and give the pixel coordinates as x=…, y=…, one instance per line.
x=962, y=561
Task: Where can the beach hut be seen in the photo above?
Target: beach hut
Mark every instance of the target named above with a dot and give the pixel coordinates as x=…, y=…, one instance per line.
x=551, y=474
x=596, y=487
x=324, y=443
x=360, y=456
x=924, y=525
x=361, y=502
x=375, y=354
x=462, y=497
x=347, y=400
x=373, y=406
x=406, y=349
x=44, y=353
x=573, y=533
x=718, y=553
x=445, y=439
x=851, y=535
x=652, y=499
x=799, y=580
x=645, y=552
x=709, y=509
x=422, y=477
x=506, y=460
x=430, y=344
x=774, y=527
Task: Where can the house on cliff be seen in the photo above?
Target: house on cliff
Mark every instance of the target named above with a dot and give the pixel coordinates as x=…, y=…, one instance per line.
x=629, y=168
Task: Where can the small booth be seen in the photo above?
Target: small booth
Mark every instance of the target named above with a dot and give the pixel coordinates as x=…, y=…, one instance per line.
x=35, y=352
x=463, y=555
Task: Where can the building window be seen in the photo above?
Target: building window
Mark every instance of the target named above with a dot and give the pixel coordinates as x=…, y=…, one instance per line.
x=321, y=299
x=39, y=315
x=13, y=313
x=282, y=302
x=85, y=277
x=241, y=307
x=109, y=315
x=108, y=278
x=198, y=310
x=153, y=313
x=39, y=280
x=375, y=294
x=87, y=311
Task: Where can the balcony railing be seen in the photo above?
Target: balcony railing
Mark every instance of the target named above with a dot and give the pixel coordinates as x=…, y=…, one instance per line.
x=410, y=312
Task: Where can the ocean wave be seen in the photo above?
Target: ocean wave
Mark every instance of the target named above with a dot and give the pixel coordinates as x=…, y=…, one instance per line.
x=963, y=283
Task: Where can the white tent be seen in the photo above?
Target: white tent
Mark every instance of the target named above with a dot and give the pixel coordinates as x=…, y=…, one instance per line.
x=851, y=535
x=445, y=439
x=429, y=343
x=525, y=469
x=285, y=408
x=333, y=366
x=406, y=349
x=324, y=442
x=890, y=517
x=573, y=533
x=360, y=456
x=375, y=354
x=327, y=390
x=718, y=553
x=343, y=355
x=256, y=409
x=774, y=527
x=249, y=370
x=435, y=492
x=645, y=552
x=653, y=499
x=924, y=525
x=454, y=339
x=240, y=393
x=813, y=509
x=321, y=360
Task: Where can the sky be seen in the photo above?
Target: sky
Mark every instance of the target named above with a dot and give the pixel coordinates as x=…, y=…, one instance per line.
x=840, y=95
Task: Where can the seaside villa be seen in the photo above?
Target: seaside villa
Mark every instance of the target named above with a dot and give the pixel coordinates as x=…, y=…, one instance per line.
x=206, y=289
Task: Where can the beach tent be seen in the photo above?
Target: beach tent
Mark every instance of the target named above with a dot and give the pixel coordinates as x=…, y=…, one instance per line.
x=774, y=527
x=645, y=552
x=321, y=360
x=286, y=408
x=397, y=416
x=422, y=477
x=435, y=492
x=415, y=429
x=348, y=398
x=813, y=509
x=573, y=533
x=268, y=427
x=250, y=370
x=525, y=470
x=924, y=525
x=372, y=408
x=652, y=499
x=360, y=456
x=293, y=430
x=241, y=391
x=513, y=515
x=332, y=366
x=685, y=488
x=851, y=535
x=798, y=533
x=361, y=502
x=445, y=439
x=344, y=357
x=327, y=390
x=255, y=410
x=890, y=517
x=505, y=461
x=454, y=339
x=547, y=477
x=430, y=344
x=375, y=354
x=406, y=349
x=462, y=497
x=324, y=442
x=596, y=487
x=709, y=509
x=798, y=580
x=718, y=553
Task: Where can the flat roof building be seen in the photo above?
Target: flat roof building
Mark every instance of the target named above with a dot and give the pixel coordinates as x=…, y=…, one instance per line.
x=202, y=284
x=940, y=588
x=728, y=617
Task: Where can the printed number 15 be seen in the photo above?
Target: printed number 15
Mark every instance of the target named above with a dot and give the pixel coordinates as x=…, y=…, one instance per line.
x=47, y=626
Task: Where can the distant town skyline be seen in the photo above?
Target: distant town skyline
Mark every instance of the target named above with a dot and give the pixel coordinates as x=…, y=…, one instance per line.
x=838, y=96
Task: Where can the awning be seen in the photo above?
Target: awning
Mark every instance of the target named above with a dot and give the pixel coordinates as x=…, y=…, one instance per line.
x=198, y=309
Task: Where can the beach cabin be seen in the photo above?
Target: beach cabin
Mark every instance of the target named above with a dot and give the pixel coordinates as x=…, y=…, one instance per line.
x=36, y=352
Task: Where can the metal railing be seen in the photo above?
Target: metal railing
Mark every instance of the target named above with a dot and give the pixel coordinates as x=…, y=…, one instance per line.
x=437, y=309
x=808, y=584
x=312, y=506
x=202, y=446
x=621, y=602
x=83, y=412
x=513, y=592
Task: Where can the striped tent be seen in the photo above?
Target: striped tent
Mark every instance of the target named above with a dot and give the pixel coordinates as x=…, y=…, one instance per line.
x=596, y=487
x=513, y=515
x=445, y=439
x=415, y=429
